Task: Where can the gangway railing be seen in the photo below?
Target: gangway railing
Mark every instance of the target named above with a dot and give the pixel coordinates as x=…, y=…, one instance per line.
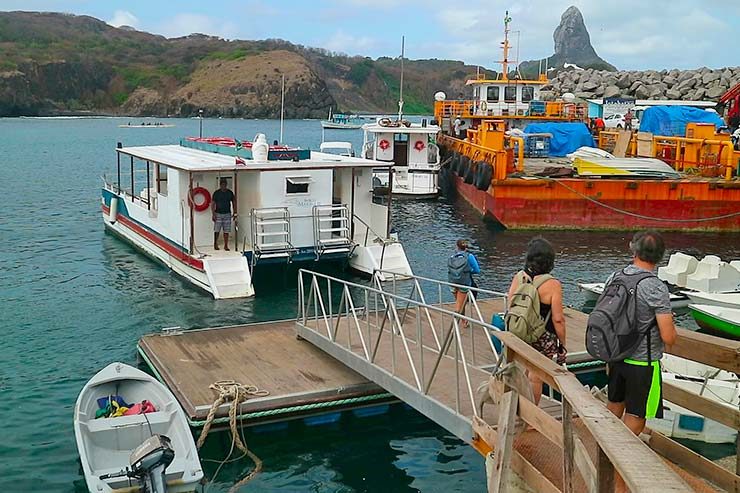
x=387, y=338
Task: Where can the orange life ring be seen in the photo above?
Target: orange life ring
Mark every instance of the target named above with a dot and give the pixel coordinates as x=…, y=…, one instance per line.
x=206, y=199
x=384, y=144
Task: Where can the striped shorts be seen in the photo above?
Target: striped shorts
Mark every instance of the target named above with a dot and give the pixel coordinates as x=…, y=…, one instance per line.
x=222, y=223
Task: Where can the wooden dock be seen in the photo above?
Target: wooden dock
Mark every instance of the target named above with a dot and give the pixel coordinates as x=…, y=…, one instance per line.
x=301, y=378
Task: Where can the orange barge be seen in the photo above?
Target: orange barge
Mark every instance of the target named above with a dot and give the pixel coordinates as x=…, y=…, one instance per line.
x=482, y=168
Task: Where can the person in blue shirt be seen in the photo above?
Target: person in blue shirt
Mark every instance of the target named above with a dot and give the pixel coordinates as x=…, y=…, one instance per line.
x=462, y=276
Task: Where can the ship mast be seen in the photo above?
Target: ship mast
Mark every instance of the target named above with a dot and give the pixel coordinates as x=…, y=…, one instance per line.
x=400, y=96
x=506, y=47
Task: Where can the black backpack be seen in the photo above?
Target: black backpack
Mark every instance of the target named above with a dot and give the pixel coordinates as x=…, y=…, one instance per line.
x=458, y=269
x=612, y=333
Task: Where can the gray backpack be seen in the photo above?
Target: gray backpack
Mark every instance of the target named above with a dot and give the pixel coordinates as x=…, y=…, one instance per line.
x=523, y=318
x=612, y=333
x=458, y=269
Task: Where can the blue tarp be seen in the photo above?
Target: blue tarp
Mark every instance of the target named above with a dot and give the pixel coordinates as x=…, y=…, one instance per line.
x=566, y=137
x=672, y=120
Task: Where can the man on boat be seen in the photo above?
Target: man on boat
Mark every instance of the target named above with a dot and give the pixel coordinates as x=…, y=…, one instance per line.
x=223, y=198
x=635, y=385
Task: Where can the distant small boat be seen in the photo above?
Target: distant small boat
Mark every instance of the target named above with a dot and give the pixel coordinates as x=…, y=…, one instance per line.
x=151, y=125
x=717, y=319
x=339, y=121
x=156, y=448
x=594, y=289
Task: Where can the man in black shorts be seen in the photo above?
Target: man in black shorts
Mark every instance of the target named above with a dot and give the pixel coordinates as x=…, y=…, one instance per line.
x=223, y=198
x=635, y=385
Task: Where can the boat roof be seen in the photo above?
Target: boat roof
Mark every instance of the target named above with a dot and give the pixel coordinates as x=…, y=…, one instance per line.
x=188, y=159
x=664, y=102
x=505, y=82
x=413, y=129
x=336, y=145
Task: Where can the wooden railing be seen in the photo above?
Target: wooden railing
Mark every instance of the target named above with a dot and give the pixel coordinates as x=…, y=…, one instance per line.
x=618, y=450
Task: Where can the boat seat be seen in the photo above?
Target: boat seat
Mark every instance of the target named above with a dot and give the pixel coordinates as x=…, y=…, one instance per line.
x=103, y=424
x=736, y=264
x=713, y=277
x=679, y=267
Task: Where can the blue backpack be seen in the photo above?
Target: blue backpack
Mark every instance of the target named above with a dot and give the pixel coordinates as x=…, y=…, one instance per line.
x=458, y=269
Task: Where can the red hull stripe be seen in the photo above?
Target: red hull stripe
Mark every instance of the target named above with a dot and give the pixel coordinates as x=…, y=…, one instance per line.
x=158, y=240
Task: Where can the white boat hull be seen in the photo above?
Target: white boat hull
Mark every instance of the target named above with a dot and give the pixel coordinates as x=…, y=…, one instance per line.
x=726, y=300
x=368, y=259
x=104, y=444
x=340, y=126
x=593, y=290
x=415, y=184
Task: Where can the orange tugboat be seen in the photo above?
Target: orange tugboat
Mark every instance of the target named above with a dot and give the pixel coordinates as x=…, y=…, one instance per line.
x=700, y=192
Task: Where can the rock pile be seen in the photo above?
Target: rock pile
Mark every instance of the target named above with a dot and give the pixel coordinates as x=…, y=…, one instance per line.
x=686, y=85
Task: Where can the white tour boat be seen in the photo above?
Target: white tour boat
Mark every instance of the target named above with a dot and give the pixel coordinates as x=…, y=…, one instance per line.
x=411, y=150
x=292, y=204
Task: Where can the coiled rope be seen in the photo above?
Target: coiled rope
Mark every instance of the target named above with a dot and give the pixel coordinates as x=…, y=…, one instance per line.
x=236, y=393
x=640, y=216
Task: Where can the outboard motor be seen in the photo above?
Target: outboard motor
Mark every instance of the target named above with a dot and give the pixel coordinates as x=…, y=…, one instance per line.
x=148, y=463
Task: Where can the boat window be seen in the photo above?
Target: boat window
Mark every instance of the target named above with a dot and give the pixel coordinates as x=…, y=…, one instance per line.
x=492, y=94
x=161, y=179
x=297, y=184
x=510, y=93
x=401, y=137
x=527, y=94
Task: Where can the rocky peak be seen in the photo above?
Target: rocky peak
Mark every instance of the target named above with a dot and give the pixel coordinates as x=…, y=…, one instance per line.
x=572, y=41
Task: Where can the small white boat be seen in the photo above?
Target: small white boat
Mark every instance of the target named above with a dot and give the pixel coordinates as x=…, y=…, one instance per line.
x=337, y=148
x=594, y=289
x=339, y=121
x=715, y=384
x=118, y=452
x=727, y=300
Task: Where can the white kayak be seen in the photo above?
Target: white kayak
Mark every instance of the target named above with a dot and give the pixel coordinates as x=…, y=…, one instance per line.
x=594, y=289
x=727, y=300
x=105, y=445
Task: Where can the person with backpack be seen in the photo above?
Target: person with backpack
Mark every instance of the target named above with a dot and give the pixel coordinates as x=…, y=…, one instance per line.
x=629, y=327
x=535, y=312
x=460, y=269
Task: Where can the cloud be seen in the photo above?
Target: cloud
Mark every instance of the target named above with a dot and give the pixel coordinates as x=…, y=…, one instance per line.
x=346, y=43
x=188, y=23
x=124, y=18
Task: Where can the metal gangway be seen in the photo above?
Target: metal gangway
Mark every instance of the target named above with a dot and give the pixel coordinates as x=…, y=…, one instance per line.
x=407, y=337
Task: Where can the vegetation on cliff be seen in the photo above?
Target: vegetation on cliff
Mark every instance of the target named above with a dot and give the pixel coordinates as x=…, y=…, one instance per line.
x=58, y=63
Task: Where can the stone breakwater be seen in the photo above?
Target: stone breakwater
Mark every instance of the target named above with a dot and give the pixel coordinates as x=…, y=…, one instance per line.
x=687, y=85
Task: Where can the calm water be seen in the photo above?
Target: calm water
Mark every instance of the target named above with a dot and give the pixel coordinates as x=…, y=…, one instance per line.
x=74, y=299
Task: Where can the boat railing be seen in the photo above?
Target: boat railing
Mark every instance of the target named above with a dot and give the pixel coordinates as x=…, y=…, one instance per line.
x=475, y=108
x=707, y=157
x=144, y=198
x=387, y=337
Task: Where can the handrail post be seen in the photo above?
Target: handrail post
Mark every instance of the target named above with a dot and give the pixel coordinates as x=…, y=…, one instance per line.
x=604, y=472
x=568, y=446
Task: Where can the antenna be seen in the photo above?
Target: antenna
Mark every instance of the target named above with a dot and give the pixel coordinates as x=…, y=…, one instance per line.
x=282, y=108
x=400, y=97
x=505, y=46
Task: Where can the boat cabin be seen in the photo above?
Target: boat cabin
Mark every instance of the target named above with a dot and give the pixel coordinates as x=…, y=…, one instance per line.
x=290, y=205
x=412, y=151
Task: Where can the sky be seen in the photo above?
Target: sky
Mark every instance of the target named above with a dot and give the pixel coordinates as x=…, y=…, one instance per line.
x=630, y=34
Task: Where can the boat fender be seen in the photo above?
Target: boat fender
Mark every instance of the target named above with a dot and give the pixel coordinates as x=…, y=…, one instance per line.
x=454, y=161
x=260, y=148
x=462, y=169
x=113, y=212
x=485, y=173
x=471, y=173
x=198, y=205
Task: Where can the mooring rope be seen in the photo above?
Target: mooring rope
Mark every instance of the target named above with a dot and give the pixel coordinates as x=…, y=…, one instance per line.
x=640, y=216
x=236, y=393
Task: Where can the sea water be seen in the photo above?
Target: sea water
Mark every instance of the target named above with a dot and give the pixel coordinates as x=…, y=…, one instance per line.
x=73, y=299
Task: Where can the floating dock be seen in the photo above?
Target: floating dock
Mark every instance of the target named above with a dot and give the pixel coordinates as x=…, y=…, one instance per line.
x=302, y=379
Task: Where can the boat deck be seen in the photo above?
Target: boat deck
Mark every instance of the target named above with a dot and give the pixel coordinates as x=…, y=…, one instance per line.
x=301, y=378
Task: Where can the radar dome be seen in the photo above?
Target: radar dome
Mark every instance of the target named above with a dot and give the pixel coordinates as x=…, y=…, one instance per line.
x=440, y=96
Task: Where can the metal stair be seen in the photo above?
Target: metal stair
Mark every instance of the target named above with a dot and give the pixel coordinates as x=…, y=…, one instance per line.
x=271, y=234
x=331, y=229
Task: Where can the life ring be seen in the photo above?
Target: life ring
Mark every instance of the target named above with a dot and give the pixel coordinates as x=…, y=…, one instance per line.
x=200, y=207
x=419, y=145
x=384, y=144
x=483, y=106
